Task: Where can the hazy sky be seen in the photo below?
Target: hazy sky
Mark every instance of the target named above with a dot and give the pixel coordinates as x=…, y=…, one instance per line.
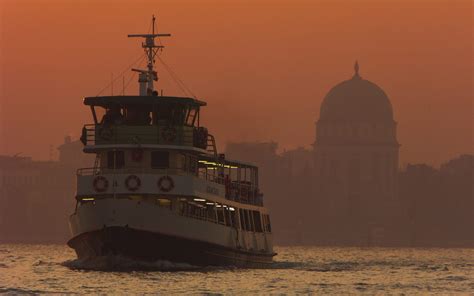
x=262, y=66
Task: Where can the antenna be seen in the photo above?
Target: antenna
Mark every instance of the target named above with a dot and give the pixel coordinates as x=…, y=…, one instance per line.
x=147, y=77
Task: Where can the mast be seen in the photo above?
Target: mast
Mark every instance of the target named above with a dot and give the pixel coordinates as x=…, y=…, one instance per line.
x=146, y=77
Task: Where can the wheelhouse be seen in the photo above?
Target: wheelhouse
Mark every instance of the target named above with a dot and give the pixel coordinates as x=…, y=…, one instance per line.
x=144, y=120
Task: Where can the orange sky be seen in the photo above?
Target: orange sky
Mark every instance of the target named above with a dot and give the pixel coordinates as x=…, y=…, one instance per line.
x=262, y=66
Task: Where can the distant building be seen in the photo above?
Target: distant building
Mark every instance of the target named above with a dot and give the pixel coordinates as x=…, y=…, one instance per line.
x=462, y=165
x=36, y=197
x=439, y=203
x=280, y=187
x=298, y=161
x=356, y=163
x=70, y=154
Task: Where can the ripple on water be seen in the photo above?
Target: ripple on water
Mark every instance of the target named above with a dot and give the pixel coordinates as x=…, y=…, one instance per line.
x=119, y=263
x=16, y=291
x=44, y=263
x=454, y=278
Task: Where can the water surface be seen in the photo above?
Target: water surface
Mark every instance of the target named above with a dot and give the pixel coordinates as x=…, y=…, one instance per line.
x=54, y=269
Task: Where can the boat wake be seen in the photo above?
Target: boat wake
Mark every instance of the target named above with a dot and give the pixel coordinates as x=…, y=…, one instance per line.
x=120, y=263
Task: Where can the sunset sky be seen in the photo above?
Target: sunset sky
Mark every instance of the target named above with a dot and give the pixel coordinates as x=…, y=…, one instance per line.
x=262, y=66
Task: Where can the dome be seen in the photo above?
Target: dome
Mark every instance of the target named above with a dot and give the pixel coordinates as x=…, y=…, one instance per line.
x=356, y=100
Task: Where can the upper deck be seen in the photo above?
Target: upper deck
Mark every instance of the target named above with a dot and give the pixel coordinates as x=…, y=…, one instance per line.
x=145, y=120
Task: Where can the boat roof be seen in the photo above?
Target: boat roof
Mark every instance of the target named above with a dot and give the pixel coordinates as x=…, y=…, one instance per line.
x=105, y=101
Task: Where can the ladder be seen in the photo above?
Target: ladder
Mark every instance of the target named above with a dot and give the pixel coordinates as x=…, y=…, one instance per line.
x=211, y=145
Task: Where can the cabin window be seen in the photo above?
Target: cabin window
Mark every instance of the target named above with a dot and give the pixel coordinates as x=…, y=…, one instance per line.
x=138, y=115
x=211, y=213
x=257, y=221
x=242, y=219
x=191, y=117
x=160, y=159
x=266, y=221
x=220, y=215
x=252, y=224
x=248, y=222
x=228, y=220
x=233, y=218
x=115, y=159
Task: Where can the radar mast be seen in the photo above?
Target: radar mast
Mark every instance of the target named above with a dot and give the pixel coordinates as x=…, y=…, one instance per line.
x=146, y=77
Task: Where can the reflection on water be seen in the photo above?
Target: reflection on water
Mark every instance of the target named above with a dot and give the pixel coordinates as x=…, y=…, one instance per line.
x=53, y=268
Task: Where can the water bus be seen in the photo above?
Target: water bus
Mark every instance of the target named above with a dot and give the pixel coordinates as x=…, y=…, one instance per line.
x=159, y=189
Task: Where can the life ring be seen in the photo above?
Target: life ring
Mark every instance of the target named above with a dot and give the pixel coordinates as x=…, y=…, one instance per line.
x=169, y=134
x=165, y=183
x=133, y=182
x=106, y=133
x=137, y=155
x=100, y=184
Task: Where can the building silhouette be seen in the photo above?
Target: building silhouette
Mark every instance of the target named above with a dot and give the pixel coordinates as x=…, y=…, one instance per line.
x=356, y=162
x=439, y=203
x=37, y=197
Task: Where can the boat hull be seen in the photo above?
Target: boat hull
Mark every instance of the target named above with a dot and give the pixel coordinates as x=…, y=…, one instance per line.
x=151, y=246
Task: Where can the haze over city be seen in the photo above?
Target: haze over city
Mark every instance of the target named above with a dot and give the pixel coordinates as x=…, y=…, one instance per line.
x=344, y=161
x=264, y=67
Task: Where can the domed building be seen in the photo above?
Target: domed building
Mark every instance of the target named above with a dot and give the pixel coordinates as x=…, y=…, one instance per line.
x=356, y=160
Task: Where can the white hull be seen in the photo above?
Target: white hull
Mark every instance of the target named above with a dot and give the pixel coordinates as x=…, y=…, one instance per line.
x=149, y=217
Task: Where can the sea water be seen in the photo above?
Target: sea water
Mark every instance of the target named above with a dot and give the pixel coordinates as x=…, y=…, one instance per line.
x=297, y=270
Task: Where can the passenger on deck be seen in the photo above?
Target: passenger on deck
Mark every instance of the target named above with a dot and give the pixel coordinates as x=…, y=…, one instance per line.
x=112, y=116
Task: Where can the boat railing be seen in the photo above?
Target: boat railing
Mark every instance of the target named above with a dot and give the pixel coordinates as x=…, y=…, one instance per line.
x=131, y=170
x=239, y=191
x=100, y=134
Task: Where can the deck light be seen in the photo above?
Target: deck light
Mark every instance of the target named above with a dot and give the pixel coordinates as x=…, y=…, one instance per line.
x=88, y=199
x=217, y=164
x=231, y=209
x=199, y=199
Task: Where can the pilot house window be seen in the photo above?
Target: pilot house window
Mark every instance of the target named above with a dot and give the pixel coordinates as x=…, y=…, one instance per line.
x=160, y=159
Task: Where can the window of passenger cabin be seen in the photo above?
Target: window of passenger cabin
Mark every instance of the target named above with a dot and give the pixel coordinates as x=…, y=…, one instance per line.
x=233, y=218
x=220, y=215
x=248, y=223
x=160, y=159
x=228, y=220
x=242, y=220
x=257, y=221
x=115, y=159
x=211, y=213
x=268, y=227
x=251, y=220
